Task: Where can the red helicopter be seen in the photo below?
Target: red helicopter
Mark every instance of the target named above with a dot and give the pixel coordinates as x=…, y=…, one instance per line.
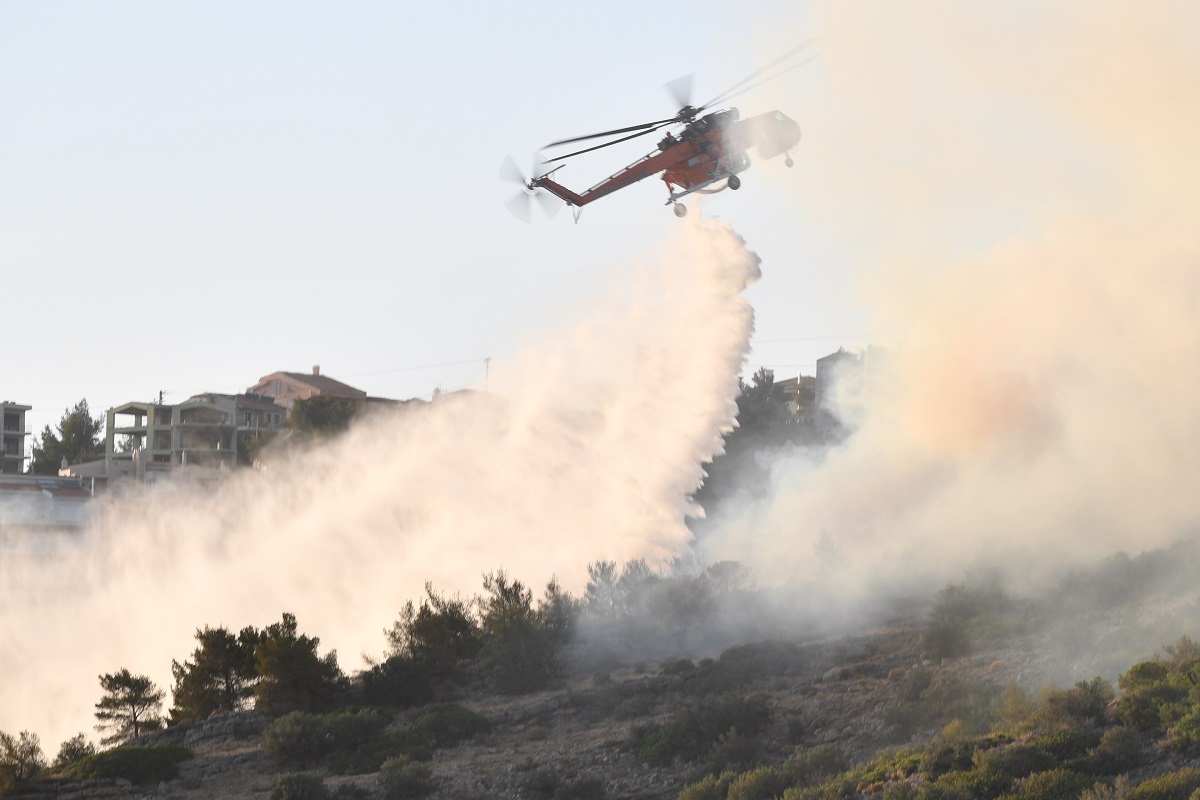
x=705, y=156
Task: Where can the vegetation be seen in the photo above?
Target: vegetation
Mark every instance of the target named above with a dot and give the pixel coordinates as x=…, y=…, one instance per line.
x=298, y=786
x=140, y=765
x=219, y=677
x=130, y=707
x=71, y=752
x=955, y=729
x=291, y=676
x=356, y=741
x=79, y=439
x=321, y=416
x=20, y=758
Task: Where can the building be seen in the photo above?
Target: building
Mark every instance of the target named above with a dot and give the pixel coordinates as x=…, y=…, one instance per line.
x=12, y=446
x=206, y=430
x=799, y=394
x=285, y=388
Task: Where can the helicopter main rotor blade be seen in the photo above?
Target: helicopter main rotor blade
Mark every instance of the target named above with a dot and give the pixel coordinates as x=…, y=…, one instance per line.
x=611, y=133
x=759, y=83
x=725, y=95
x=680, y=90
x=610, y=144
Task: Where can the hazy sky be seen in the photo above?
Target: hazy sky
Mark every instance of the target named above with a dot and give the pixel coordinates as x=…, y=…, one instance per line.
x=193, y=195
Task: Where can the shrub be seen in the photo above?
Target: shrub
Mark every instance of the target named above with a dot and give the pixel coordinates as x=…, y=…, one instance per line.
x=1177, y=785
x=298, y=786
x=712, y=787
x=1016, y=761
x=446, y=725
x=1065, y=745
x=1120, y=750
x=966, y=785
x=1055, y=784
x=398, y=682
x=140, y=765
x=402, y=778
x=21, y=756
x=353, y=741
x=733, y=751
x=696, y=728
x=297, y=739
x=442, y=634
x=1082, y=705
x=763, y=783
x=71, y=752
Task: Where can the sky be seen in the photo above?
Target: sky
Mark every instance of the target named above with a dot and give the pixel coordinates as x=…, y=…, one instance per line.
x=194, y=195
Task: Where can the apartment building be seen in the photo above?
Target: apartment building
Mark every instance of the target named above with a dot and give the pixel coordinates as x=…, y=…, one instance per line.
x=12, y=443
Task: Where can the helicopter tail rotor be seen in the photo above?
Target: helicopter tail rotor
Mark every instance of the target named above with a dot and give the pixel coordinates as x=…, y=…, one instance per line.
x=530, y=202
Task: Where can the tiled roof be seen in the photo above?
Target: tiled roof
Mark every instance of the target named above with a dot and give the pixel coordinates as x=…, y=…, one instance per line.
x=326, y=385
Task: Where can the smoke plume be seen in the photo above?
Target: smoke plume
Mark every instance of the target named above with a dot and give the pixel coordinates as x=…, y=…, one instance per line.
x=585, y=448
x=1021, y=182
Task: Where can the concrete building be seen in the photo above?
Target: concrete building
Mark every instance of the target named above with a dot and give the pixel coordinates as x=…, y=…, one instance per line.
x=206, y=430
x=799, y=394
x=12, y=445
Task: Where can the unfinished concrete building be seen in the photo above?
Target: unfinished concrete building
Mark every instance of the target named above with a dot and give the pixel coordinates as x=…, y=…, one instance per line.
x=12, y=446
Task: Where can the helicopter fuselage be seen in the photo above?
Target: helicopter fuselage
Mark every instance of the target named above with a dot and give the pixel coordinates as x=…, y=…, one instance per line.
x=709, y=149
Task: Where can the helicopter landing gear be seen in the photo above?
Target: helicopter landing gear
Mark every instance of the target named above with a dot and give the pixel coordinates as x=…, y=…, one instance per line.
x=680, y=210
x=787, y=162
x=734, y=182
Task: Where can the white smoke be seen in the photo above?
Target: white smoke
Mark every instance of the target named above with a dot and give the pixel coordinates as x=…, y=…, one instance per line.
x=1021, y=182
x=587, y=448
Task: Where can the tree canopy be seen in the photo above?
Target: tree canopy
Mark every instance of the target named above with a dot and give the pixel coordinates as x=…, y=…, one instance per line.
x=322, y=416
x=131, y=706
x=219, y=676
x=292, y=677
x=79, y=438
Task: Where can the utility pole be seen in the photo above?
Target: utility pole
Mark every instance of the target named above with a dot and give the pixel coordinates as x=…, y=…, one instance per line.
x=487, y=369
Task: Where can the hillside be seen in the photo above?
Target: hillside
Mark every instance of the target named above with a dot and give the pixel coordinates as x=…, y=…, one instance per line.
x=953, y=700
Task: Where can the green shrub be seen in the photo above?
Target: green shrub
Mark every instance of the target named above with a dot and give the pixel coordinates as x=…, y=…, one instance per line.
x=403, y=778
x=763, y=783
x=1177, y=785
x=965, y=785
x=446, y=725
x=1016, y=760
x=1055, y=784
x=711, y=787
x=1065, y=745
x=399, y=682
x=1082, y=705
x=298, y=786
x=1184, y=736
x=297, y=739
x=140, y=765
x=1120, y=750
x=807, y=767
x=350, y=791
x=351, y=740
x=696, y=728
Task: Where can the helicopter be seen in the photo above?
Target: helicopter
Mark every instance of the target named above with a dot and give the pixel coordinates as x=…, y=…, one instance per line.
x=705, y=156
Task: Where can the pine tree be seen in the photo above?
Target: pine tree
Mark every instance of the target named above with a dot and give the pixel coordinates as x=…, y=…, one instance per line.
x=131, y=706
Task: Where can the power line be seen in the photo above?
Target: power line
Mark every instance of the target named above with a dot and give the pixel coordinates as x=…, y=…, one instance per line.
x=415, y=368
